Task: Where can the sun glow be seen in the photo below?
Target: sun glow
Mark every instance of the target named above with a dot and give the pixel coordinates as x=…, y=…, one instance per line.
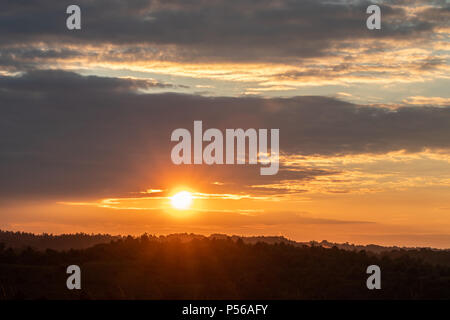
x=182, y=200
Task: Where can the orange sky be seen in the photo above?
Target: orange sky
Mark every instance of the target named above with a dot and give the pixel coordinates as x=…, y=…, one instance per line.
x=364, y=119
x=386, y=205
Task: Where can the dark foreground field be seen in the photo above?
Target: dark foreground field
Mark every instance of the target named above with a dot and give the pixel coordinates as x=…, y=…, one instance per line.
x=206, y=268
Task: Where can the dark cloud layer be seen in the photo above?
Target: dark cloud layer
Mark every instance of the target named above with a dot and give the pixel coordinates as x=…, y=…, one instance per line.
x=216, y=29
x=45, y=81
x=65, y=134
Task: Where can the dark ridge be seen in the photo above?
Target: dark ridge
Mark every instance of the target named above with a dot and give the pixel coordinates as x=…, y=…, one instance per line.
x=198, y=267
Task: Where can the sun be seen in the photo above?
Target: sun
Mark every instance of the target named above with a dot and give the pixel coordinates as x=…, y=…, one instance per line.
x=182, y=200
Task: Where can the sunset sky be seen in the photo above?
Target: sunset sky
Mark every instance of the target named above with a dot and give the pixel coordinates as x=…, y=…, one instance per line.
x=364, y=116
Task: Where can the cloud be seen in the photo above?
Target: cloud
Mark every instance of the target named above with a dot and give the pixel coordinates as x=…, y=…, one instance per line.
x=432, y=101
x=263, y=47
x=220, y=29
x=47, y=81
x=65, y=134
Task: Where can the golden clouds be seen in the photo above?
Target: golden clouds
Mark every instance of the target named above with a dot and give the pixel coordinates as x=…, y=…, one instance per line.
x=365, y=173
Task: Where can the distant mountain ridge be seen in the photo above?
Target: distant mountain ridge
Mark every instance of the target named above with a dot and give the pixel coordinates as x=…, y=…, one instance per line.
x=189, y=266
x=20, y=240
